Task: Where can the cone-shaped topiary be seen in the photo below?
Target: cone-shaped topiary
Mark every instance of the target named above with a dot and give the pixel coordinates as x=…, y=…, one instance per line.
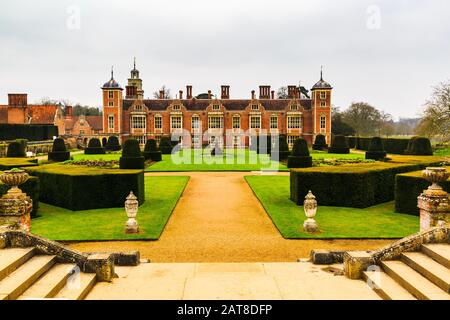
x=339, y=145
x=16, y=149
x=165, y=145
x=151, y=151
x=419, y=146
x=320, y=142
x=280, y=151
x=376, y=149
x=113, y=144
x=300, y=157
x=131, y=155
x=59, y=151
x=94, y=147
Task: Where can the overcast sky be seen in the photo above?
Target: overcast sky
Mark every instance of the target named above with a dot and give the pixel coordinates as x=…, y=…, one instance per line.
x=388, y=53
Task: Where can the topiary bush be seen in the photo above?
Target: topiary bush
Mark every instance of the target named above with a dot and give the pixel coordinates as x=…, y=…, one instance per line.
x=320, y=143
x=151, y=151
x=94, y=147
x=376, y=149
x=165, y=145
x=113, y=144
x=16, y=149
x=339, y=145
x=59, y=151
x=131, y=155
x=280, y=151
x=419, y=146
x=300, y=157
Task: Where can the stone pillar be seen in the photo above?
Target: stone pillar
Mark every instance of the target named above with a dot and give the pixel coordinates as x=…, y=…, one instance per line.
x=15, y=206
x=434, y=203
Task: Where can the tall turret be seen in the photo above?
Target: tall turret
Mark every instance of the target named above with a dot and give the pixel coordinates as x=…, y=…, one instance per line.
x=321, y=103
x=134, y=87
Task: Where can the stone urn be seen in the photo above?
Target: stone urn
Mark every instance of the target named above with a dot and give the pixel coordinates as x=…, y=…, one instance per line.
x=14, y=178
x=435, y=175
x=131, y=209
x=15, y=206
x=310, y=207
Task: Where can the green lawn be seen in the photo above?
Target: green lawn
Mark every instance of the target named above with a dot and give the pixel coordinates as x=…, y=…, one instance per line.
x=161, y=196
x=379, y=221
x=444, y=152
x=201, y=160
x=107, y=156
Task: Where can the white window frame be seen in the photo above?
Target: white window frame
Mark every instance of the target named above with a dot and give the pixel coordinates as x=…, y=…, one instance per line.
x=215, y=107
x=176, y=107
x=323, y=122
x=178, y=124
x=294, y=122
x=111, y=104
x=158, y=122
x=323, y=95
x=111, y=122
x=138, y=122
x=236, y=122
x=323, y=103
x=142, y=139
x=255, y=124
x=291, y=140
x=110, y=94
x=255, y=106
x=274, y=122
x=215, y=122
x=197, y=122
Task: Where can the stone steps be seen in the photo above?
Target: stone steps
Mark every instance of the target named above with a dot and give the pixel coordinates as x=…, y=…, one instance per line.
x=79, y=288
x=24, y=276
x=11, y=259
x=429, y=268
x=414, y=282
x=386, y=287
x=50, y=283
x=439, y=252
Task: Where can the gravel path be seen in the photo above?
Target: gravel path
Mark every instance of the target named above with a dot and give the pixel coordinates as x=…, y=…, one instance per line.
x=218, y=219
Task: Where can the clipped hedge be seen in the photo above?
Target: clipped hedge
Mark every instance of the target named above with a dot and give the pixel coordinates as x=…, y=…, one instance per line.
x=10, y=163
x=31, y=132
x=151, y=151
x=31, y=188
x=165, y=145
x=280, y=151
x=339, y=145
x=376, y=149
x=391, y=145
x=82, y=188
x=59, y=151
x=113, y=144
x=419, y=146
x=348, y=186
x=94, y=147
x=16, y=149
x=299, y=157
x=320, y=142
x=408, y=187
x=131, y=155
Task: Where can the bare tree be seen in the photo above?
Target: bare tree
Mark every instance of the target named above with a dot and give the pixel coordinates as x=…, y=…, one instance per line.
x=282, y=93
x=435, y=122
x=364, y=118
x=166, y=90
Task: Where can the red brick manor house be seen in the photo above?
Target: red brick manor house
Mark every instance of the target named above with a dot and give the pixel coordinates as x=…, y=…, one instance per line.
x=204, y=118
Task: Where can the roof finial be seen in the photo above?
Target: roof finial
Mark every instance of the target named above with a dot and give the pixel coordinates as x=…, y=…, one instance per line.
x=134, y=63
x=112, y=72
x=321, y=73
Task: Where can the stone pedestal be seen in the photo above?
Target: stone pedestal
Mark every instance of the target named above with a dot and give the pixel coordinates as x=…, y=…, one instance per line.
x=434, y=207
x=15, y=210
x=310, y=225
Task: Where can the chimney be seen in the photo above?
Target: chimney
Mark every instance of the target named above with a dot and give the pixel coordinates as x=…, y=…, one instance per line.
x=161, y=94
x=68, y=111
x=181, y=95
x=264, y=92
x=272, y=94
x=225, y=92
x=17, y=99
x=253, y=94
x=188, y=92
x=209, y=94
x=291, y=91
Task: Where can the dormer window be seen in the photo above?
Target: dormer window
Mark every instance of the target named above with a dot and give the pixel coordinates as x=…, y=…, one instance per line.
x=176, y=107
x=216, y=107
x=255, y=107
x=294, y=106
x=138, y=108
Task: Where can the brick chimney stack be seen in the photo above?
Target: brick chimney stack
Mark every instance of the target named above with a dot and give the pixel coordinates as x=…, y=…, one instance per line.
x=253, y=94
x=209, y=94
x=291, y=91
x=17, y=99
x=68, y=111
x=161, y=94
x=225, y=92
x=181, y=95
x=272, y=94
x=188, y=92
x=264, y=92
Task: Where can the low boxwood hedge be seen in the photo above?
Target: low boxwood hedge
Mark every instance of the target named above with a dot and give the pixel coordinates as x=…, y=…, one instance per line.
x=348, y=186
x=10, y=163
x=339, y=145
x=31, y=188
x=300, y=157
x=82, y=188
x=419, y=146
x=391, y=145
x=408, y=186
x=151, y=151
x=16, y=149
x=320, y=142
x=132, y=157
x=113, y=144
x=376, y=149
x=59, y=151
